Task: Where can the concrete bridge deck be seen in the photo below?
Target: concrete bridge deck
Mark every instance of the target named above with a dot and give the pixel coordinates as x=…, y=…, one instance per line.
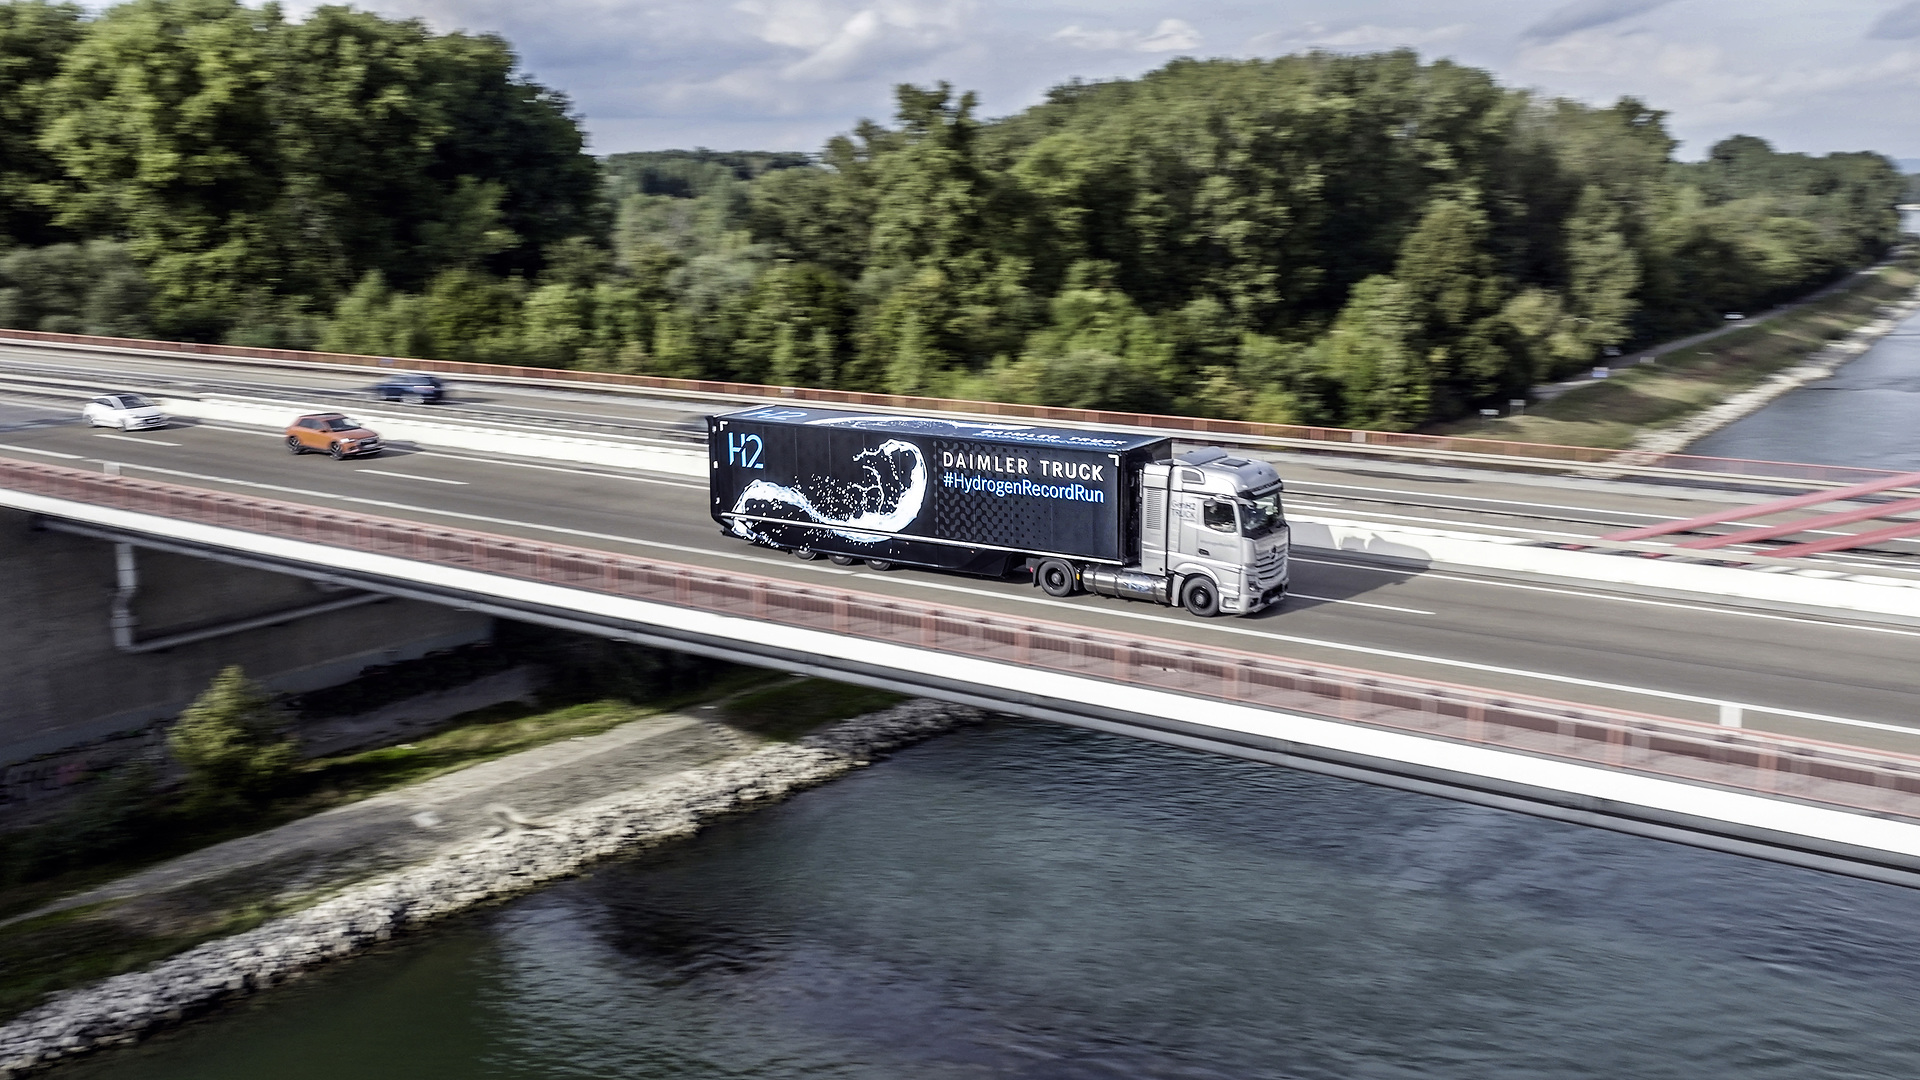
x=1797, y=800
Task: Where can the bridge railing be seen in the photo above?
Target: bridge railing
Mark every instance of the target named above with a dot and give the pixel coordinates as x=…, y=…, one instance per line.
x=1535, y=454
x=1830, y=774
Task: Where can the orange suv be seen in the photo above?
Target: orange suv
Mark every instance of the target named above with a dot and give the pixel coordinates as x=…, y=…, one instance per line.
x=332, y=433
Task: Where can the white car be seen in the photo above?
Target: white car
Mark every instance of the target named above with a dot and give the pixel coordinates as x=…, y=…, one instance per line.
x=128, y=412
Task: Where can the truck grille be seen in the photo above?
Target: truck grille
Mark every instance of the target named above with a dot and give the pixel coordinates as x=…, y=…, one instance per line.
x=1269, y=565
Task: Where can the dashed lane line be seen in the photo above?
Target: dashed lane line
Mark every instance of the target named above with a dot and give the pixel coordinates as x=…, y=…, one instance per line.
x=410, y=476
x=1622, y=598
x=144, y=441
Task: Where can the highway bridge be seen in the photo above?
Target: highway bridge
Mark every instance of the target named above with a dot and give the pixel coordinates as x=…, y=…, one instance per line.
x=1783, y=728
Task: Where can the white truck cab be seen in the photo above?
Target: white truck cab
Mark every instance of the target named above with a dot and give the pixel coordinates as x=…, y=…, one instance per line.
x=1213, y=537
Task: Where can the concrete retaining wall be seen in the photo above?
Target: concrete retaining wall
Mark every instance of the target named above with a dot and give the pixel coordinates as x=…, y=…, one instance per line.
x=62, y=681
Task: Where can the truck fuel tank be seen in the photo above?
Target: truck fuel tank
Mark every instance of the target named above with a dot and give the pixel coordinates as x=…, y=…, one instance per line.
x=1126, y=584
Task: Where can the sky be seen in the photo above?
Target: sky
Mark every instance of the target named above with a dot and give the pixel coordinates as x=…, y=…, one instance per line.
x=1807, y=76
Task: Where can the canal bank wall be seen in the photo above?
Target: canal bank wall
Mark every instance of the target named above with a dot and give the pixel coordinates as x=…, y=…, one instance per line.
x=123, y=1009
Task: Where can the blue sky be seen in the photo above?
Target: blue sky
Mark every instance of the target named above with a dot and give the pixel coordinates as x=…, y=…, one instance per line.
x=786, y=74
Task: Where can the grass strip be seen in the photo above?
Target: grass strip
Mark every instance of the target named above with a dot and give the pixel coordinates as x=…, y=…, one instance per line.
x=1612, y=412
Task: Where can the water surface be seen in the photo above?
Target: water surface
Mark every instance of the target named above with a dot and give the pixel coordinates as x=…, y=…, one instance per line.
x=1027, y=901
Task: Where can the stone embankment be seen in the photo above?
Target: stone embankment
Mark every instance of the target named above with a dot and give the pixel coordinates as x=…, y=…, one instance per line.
x=125, y=1008
x=1818, y=366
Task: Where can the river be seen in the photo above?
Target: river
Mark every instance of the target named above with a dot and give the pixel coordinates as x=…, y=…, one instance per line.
x=1021, y=900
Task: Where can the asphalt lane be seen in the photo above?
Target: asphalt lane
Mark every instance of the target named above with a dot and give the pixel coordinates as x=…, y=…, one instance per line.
x=1570, y=643
x=1385, y=490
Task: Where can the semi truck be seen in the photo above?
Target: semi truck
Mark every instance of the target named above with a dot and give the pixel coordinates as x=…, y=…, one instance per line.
x=1111, y=513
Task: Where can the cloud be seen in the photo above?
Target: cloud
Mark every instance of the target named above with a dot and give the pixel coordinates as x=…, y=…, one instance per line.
x=1898, y=24
x=1367, y=36
x=1587, y=14
x=841, y=42
x=1171, y=35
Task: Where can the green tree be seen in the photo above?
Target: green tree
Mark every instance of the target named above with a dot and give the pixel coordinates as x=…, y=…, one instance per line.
x=230, y=741
x=35, y=39
x=1603, y=274
x=163, y=127
x=1372, y=351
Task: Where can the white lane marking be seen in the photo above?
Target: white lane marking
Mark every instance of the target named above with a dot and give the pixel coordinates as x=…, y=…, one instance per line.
x=37, y=450
x=1450, y=523
x=816, y=567
x=1622, y=598
x=1362, y=603
x=562, y=469
x=637, y=478
x=1467, y=665
x=1731, y=523
x=133, y=438
x=1291, y=484
x=409, y=476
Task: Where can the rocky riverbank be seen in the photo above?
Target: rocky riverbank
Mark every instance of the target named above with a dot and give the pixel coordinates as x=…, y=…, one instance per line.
x=128, y=1007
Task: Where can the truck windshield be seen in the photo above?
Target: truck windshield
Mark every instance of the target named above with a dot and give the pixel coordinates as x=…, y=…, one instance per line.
x=1260, y=514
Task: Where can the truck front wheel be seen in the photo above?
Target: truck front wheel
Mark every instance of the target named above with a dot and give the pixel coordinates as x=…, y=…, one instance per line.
x=1201, y=597
x=1056, y=578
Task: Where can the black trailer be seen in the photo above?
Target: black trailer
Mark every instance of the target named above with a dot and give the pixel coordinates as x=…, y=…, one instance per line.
x=966, y=495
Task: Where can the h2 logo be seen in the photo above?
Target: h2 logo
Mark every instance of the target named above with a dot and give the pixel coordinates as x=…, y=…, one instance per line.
x=744, y=451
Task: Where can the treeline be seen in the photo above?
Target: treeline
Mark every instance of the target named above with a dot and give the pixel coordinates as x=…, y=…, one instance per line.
x=200, y=169
x=1351, y=240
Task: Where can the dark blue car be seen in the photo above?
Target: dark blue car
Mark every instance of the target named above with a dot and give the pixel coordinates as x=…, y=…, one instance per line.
x=411, y=387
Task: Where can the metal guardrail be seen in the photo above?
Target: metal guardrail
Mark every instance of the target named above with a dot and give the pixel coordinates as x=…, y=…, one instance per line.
x=1332, y=439
x=1830, y=774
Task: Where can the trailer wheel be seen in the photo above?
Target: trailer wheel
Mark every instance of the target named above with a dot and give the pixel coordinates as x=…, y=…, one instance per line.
x=842, y=560
x=1056, y=578
x=1201, y=598
x=805, y=554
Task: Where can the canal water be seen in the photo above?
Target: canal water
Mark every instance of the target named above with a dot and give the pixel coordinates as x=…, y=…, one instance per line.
x=1021, y=900
x=1867, y=414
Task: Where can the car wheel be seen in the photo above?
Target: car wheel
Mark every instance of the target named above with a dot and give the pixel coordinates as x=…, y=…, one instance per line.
x=123, y=423
x=334, y=451
x=842, y=560
x=1056, y=578
x=882, y=565
x=805, y=554
x=1201, y=597
x=294, y=447
x=414, y=399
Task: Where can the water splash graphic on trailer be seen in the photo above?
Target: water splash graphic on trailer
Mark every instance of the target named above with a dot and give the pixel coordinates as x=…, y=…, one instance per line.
x=865, y=512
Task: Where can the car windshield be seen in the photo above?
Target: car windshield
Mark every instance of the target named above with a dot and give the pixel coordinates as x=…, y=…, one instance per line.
x=338, y=423
x=1260, y=515
x=134, y=401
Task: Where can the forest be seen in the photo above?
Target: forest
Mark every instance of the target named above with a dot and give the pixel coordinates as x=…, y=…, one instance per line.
x=1371, y=241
